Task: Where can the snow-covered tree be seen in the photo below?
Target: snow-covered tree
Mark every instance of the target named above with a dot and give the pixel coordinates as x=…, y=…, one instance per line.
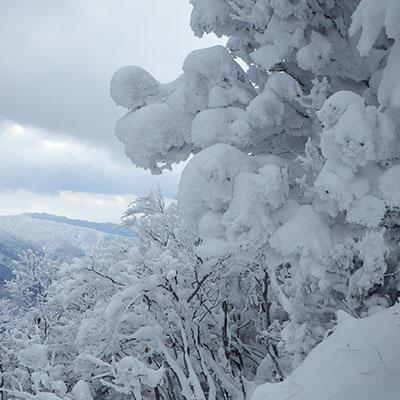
x=166, y=333
x=31, y=348
x=40, y=320
x=288, y=211
x=296, y=157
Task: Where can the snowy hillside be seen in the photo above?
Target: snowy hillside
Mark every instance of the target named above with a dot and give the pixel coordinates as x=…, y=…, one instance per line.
x=359, y=361
x=287, y=217
x=10, y=247
x=107, y=227
x=61, y=240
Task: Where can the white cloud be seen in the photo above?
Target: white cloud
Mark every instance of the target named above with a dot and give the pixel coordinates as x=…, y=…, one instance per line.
x=77, y=205
x=29, y=144
x=36, y=160
x=57, y=58
x=57, y=61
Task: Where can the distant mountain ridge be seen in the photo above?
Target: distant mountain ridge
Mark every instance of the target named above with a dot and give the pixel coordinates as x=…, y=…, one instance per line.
x=106, y=227
x=60, y=237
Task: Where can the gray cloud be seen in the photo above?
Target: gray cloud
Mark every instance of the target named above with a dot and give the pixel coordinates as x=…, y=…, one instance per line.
x=58, y=58
x=57, y=143
x=37, y=161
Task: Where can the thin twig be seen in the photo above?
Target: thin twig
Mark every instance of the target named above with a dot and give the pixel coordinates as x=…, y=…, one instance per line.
x=190, y=298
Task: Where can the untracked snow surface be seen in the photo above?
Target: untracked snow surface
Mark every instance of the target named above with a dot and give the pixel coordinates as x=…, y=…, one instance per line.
x=359, y=361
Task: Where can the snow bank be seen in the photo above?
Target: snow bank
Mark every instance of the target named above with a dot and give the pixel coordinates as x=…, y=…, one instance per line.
x=359, y=361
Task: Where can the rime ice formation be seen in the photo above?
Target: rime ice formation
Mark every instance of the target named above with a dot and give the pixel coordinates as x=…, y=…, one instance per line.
x=286, y=223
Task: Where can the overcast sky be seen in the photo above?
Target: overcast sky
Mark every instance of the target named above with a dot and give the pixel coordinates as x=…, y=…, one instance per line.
x=57, y=144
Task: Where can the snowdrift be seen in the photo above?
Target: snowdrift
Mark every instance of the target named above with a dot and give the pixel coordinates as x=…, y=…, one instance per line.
x=360, y=360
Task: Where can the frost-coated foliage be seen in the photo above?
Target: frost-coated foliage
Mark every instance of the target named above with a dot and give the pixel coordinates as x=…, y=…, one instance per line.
x=287, y=212
x=296, y=165
x=295, y=172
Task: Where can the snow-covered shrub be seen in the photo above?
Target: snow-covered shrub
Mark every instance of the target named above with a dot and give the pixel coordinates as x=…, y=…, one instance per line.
x=295, y=169
x=287, y=211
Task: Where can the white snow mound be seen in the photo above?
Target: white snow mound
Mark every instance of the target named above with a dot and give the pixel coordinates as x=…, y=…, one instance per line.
x=359, y=361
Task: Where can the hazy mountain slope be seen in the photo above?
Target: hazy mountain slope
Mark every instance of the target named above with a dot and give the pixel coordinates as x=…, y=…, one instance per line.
x=61, y=240
x=10, y=247
x=106, y=227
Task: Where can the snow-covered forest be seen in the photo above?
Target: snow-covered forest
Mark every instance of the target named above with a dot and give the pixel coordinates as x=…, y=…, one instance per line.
x=276, y=274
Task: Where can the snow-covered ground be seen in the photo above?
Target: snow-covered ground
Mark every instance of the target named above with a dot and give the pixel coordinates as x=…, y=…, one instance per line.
x=360, y=360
